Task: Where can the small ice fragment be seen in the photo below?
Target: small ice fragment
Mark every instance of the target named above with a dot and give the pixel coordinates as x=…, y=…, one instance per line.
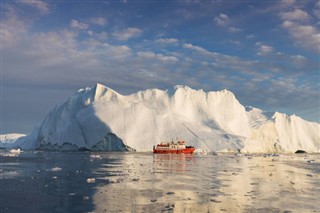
x=54, y=177
x=96, y=156
x=15, y=151
x=91, y=180
x=56, y=169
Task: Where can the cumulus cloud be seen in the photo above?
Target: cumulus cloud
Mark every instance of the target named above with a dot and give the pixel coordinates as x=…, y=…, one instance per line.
x=234, y=29
x=42, y=6
x=161, y=57
x=11, y=26
x=264, y=49
x=296, y=14
x=298, y=24
x=127, y=34
x=102, y=35
x=119, y=51
x=167, y=40
x=146, y=54
x=222, y=19
x=78, y=25
x=306, y=36
x=196, y=48
x=98, y=21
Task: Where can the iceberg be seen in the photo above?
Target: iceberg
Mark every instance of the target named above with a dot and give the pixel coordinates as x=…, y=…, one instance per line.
x=101, y=119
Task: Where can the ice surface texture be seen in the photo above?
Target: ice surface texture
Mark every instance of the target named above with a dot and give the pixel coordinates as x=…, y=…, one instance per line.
x=99, y=118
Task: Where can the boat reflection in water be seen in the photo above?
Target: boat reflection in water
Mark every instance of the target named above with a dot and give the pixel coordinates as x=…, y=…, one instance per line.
x=172, y=163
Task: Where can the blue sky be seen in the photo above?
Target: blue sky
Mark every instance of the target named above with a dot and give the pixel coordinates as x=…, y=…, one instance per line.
x=265, y=52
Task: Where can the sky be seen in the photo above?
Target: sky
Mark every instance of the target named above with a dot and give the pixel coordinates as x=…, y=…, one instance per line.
x=265, y=52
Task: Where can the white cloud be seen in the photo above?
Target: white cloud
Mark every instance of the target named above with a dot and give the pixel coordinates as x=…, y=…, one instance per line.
x=102, y=35
x=234, y=29
x=78, y=25
x=11, y=27
x=221, y=20
x=298, y=24
x=197, y=48
x=42, y=6
x=168, y=40
x=297, y=15
x=167, y=59
x=146, y=54
x=119, y=51
x=98, y=21
x=128, y=33
x=160, y=57
x=264, y=49
x=306, y=36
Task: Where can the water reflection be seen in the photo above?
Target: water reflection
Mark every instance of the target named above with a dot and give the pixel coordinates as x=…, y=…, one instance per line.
x=173, y=163
x=182, y=183
x=144, y=182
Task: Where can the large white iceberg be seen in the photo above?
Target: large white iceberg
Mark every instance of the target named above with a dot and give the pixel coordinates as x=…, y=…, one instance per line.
x=99, y=118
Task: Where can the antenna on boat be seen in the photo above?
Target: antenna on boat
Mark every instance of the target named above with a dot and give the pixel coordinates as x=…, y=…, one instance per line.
x=197, y=136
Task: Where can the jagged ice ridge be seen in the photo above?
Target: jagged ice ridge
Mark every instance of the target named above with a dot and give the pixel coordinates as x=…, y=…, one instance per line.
x=99, y=118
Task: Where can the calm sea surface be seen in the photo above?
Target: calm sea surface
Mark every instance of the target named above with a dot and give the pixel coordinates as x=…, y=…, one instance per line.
x=145, y=182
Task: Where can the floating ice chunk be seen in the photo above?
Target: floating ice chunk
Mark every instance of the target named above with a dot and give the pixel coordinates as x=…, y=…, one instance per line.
x=16, y=151
x=91, y=180
x=56, y=169
x=96, y=156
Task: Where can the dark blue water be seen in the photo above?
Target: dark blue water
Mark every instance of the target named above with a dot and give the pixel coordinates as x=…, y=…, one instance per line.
x=144, y=182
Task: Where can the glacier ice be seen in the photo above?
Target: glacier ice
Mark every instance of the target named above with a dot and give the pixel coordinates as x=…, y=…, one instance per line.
x=99, y=118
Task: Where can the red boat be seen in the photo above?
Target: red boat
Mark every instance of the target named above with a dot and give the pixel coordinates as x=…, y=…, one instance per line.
x=173, y=148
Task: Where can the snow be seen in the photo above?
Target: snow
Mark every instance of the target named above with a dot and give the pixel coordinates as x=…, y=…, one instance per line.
x=6, y=140
x=99, y=118
x=279, y=132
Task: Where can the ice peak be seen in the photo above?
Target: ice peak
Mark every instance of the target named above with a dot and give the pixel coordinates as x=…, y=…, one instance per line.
x=102, y=92
x=100, y=87
x=99, y=118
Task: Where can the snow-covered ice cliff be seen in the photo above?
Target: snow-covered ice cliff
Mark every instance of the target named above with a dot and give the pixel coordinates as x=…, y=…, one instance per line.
x=99, y=118
x=9, y=139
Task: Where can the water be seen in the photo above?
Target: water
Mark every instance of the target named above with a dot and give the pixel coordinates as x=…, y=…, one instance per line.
x=144, y=182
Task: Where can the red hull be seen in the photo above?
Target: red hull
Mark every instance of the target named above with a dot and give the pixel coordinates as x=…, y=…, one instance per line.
x=180, y=151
